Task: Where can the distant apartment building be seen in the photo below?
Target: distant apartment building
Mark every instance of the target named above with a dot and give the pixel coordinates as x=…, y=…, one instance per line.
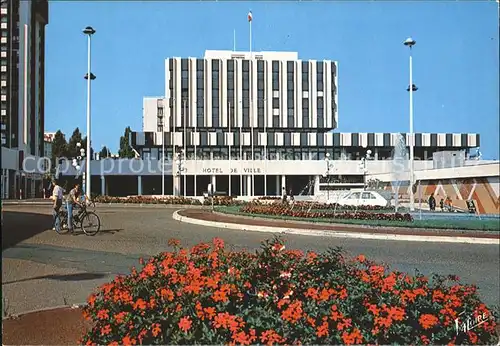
x=22, y=94
x=48, y=138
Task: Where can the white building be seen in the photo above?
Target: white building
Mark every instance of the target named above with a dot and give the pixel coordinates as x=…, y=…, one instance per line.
x=251, y=125
x=22, y=95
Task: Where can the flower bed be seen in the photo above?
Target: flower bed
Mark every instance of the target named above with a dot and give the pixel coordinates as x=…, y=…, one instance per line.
x=285, y=210
x=209, y=295
x=147, y=200
x=223, y=200
x=332, y=206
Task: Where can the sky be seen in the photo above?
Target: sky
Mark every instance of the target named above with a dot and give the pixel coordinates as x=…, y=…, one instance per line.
x=455, y=60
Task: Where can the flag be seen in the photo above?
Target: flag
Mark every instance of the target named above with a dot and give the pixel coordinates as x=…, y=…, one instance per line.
x=250, y=16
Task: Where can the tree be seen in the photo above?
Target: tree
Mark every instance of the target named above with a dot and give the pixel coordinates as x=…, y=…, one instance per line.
x=84, y=146
x=59, y=148
x=125, y=149
x=73, y=150
x=104, y=153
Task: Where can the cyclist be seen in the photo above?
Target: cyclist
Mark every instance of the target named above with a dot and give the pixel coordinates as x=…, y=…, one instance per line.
x=72, y=200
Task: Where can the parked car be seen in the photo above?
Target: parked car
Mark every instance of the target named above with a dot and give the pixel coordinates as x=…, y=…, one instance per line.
x=369, y=198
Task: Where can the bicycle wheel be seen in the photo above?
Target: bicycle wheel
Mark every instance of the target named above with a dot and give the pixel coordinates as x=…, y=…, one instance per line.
x=90, y=223
x=61, y=225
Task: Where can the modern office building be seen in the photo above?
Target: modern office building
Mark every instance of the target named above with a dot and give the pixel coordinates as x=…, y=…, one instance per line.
x=22, y=93
x=251, y=124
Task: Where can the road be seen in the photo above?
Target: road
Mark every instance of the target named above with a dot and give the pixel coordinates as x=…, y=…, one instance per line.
x=43, y=269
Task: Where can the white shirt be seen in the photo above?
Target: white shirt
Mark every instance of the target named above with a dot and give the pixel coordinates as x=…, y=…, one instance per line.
x=57, y=193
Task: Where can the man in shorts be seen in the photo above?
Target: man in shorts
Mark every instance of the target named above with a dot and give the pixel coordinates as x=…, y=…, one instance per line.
x=57, y=198
x=72, y=200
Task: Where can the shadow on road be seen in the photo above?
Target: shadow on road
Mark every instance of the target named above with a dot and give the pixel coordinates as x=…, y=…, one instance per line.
x=66, y=277
x=19, y=226
x=102, y=231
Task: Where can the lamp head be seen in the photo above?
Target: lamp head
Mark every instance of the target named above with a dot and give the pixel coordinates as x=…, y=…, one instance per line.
x=77, y=168
x=368, y=152
x=413, y=88
x=92, y=76
x=409, y=42
x=89, y=31
x=78, y=145
x=327, y=155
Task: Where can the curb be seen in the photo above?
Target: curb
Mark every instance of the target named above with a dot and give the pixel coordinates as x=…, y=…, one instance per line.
x=336, y=234
x=165, y=206
x=21, y=314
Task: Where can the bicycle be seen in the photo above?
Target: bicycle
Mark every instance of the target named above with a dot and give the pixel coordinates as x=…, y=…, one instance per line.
x=88, y=221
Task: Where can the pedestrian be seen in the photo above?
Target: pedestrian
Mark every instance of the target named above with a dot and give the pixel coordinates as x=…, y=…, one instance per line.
x=72, y=200
x=290, y=193
x=432, y=202
x=57, y=198
x=283, y=195
x=441, y=204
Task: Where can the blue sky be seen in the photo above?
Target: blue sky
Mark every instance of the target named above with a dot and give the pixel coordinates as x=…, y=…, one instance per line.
x=456, y=59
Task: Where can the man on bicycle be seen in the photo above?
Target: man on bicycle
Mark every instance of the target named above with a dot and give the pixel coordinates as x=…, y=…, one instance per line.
x=72, y=200
x=57, y=198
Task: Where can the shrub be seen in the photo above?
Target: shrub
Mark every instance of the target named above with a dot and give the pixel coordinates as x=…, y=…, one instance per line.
x=208, y=295
x=279, y=209
x=148, y=200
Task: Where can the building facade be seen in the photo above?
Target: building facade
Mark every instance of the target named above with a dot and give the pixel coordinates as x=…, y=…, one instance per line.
x=22, y=93
x=251, y=125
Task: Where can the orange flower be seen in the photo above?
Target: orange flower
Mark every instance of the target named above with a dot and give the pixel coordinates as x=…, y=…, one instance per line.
x=220, y=296
x=173, y=242
x=140, y=304
x=155, y=329
x=167, y=294
x=91, y=300
x=106, y=330
x=353, y=338
x=312, y=293
x=218, y=243
x=395, y=313
x=346, y=323
x=120, y=317
x=336, y=315
x=361, y=258
x=322, y=330
x=427, y=321
x=127, y=340
x=270, y=337
x=210, y=312
x=185, y=324
x=102, y=314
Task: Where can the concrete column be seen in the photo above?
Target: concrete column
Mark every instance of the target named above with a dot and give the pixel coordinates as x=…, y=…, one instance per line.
x=343, y=154
x=177, y=185
x=103, y=185
x=213, y=180
x=316, y=185
x=278, y=186
x=244, y=186
x=283, y=183
x=249, y=185
x=139, y=185
x=375, y=155
x=425, y=154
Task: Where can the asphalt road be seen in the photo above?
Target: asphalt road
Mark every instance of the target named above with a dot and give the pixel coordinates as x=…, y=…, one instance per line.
x=42, y=268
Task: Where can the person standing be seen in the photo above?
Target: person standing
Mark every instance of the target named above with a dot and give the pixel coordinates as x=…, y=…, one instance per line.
x=57, y=198
x=71, y=201
x=432, y=202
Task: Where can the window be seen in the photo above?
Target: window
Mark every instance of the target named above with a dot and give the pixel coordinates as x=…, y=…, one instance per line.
x=354, y=195
x=215, y=65
x=230, y=66
x=276, y=102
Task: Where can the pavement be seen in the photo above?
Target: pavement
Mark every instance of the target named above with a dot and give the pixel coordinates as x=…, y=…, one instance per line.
x=43, y=269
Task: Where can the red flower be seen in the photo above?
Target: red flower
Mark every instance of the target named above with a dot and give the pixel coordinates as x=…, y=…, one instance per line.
x=185, y=324
x=155, y=329
x=427, y=321
x=322, y=330
x=103, y=314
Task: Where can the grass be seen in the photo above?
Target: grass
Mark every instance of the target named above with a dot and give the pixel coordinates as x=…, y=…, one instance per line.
x=479, y=225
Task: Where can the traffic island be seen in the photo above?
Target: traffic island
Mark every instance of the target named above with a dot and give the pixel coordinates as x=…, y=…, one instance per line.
x=290, y=226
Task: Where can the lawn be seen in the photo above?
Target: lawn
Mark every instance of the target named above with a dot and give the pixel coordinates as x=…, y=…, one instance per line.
x=483, y=225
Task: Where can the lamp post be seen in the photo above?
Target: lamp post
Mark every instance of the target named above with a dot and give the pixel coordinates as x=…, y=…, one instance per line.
x=179, y=162
x=89, y=31
x=363, y=166
x=329, y=166
x=77, y=163
x=409, y=42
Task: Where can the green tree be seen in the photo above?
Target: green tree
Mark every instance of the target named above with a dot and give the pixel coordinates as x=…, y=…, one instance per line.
x=125, y=149
x=84, y=146
x=59, y=147
x=104, y=153
x=73, y=150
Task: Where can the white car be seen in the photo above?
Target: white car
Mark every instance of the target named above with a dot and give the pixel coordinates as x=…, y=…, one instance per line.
x=368, y=198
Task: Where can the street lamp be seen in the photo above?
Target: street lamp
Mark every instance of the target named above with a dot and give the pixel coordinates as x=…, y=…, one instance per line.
x=409, y=42
x=77, y=162
x=179, y=161
x=89, y=31
x=363, y=166
x=329, y=166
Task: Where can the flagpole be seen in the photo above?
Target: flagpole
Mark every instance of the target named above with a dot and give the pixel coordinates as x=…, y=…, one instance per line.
x=252, y=190
x=241, y=157
x=234, y=40
x=229, y=142
x=265, y=146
